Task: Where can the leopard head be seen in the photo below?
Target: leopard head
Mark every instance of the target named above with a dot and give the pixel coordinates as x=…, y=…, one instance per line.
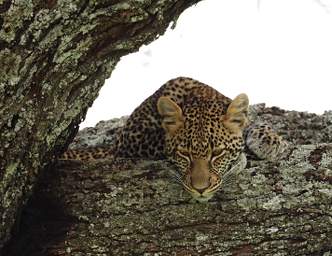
x=204, y=140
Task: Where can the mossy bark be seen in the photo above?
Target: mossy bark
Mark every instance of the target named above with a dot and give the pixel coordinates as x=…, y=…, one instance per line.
x=54, y=57
x=132, y=207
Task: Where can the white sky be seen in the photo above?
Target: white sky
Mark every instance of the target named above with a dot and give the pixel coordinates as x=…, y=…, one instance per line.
x=277, y=51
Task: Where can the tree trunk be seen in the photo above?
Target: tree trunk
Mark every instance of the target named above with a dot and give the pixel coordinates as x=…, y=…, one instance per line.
x=54, y=57
x=132, y=207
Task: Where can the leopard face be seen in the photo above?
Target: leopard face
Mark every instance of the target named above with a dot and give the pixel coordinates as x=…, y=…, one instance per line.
x=202, y=143
x=202, y=159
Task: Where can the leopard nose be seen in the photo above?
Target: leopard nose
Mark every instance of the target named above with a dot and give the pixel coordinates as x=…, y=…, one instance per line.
x=200, y=175
x=201, y=187
x=200, y=190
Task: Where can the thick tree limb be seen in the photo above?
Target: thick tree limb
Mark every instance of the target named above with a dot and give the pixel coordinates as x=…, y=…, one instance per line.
x=54, y=57
x=132, y=208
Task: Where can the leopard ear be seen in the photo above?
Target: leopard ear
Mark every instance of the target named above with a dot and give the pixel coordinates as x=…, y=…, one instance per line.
x=171, y=114
x=235, y=118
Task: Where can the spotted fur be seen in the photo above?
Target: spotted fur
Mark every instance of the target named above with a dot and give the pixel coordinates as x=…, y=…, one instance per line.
x=197, y=128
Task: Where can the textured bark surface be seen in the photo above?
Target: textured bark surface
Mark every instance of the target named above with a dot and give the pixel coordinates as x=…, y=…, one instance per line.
x=54, y=57
x=132, y=207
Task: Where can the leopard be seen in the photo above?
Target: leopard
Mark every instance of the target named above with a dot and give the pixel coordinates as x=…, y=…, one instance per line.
x=204, y=134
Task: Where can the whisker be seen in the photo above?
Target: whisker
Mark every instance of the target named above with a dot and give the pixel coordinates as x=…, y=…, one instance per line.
x=176, y=177
x=214, y=189
x=229, y=178
x=175, y=174
x=177, y=180
x=186, y=187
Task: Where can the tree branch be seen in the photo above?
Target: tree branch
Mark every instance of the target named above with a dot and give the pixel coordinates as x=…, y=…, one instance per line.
x=132, y=207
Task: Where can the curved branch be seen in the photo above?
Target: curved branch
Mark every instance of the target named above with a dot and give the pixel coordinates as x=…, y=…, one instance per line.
x=55, y=55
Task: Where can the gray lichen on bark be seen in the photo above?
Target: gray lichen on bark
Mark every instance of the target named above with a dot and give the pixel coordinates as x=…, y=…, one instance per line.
x=132, y=207
x=54, y=57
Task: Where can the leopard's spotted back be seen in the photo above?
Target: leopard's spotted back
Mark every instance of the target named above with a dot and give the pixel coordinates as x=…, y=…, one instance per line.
x=142, y=136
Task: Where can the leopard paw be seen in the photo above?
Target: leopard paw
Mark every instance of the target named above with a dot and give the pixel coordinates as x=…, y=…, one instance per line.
x=265, y=143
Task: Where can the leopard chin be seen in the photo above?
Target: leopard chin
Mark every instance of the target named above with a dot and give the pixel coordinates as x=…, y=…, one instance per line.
x=201, y=199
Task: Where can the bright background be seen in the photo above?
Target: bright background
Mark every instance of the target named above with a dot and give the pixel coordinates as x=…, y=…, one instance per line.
x=277, y=51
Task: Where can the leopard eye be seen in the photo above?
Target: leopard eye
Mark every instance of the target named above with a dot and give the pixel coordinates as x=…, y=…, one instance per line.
x=184, y=153
x=218, y=152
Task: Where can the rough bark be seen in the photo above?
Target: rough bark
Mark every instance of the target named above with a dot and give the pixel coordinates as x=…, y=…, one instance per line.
x=132, y=207
x=54, y=57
